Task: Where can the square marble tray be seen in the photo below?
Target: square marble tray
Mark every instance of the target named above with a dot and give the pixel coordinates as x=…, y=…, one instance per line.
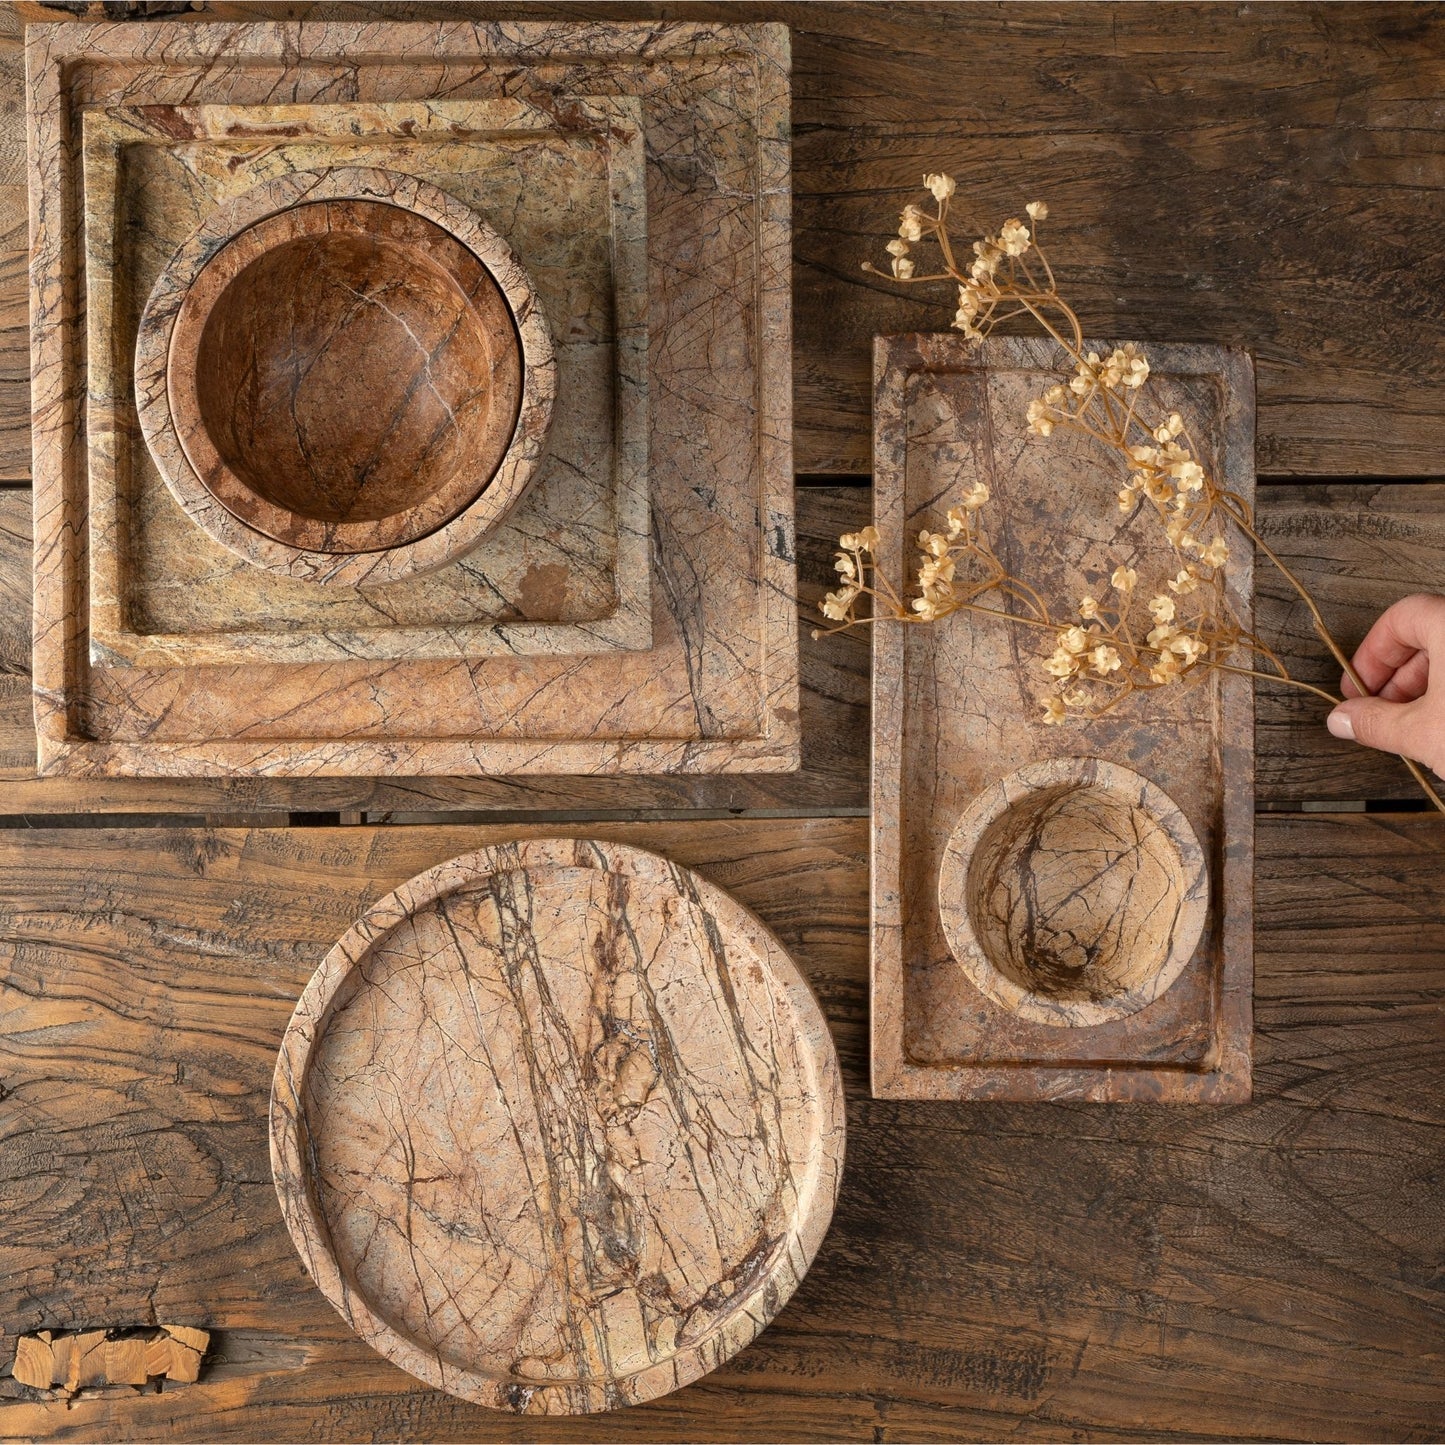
x=955, y=711
x=717, y=689
x=568, y=571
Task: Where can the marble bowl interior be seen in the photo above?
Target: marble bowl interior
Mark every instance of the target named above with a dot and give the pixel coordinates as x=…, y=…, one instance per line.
x=1080, y=900
x=353, y=378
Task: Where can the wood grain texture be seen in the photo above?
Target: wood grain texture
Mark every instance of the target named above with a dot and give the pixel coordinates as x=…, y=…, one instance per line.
x=1051, y=1271
x=1358, y=547
x=1291, y=154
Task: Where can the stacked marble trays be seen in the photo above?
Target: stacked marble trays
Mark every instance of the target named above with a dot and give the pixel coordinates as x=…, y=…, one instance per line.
x=999, y=842
x=557, y=1126
x=623, y=603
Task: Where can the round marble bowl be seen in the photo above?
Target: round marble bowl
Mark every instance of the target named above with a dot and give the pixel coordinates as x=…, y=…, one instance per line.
x=347, y=382
x=1073, y=892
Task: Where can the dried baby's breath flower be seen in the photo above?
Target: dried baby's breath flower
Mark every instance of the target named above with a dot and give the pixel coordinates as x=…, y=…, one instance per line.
x=1105, y=659
x=1169, y=485
x=1013, y=236
x=1216, y=554
x=1165, y=669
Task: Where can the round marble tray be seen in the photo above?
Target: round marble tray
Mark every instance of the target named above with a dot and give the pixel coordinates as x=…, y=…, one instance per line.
x=557, y=1126
x=448, y=263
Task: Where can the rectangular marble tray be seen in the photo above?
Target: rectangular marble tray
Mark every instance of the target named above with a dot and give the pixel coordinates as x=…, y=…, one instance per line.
x=569, y=569
x=955, y=710
x=717, y=689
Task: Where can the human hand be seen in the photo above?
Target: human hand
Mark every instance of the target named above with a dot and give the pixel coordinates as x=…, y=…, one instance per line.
x=1402, y=661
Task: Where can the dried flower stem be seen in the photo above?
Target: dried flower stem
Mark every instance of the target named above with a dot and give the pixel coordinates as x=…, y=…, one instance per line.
x=1100, y=659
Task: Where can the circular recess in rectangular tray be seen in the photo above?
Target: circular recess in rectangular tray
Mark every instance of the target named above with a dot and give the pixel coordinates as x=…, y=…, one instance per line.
x=557, y=1126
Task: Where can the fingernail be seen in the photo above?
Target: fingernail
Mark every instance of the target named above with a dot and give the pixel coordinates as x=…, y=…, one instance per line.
x=1340, y=725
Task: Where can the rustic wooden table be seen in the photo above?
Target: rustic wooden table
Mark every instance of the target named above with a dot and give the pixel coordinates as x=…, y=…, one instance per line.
x=1269, y=176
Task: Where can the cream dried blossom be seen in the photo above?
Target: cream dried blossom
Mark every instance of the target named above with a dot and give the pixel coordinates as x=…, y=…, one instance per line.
x=837, y=606
x=1037, y=210
x=1013, y=237
x=1124, y=579
x=910, y=224
x=1040, y=419
x=1105, y=659
x=941, y=186
x=1216, y=554
x=1055, y=711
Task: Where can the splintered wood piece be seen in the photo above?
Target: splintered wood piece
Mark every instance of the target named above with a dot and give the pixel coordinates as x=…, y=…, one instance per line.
x=91, y=1359
x=87, y=1361
x=158, y=1355
x=184, y=1365
x=61, y=1348
x=557, y=1126
x=34, y=1361
x=195, y=1339
x=125, y=1360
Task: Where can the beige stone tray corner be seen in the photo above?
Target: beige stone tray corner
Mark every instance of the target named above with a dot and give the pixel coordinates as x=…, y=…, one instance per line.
x=955, y=745
x=716, y=689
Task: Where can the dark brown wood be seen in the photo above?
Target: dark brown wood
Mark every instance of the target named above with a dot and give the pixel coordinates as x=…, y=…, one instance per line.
x=1049, y=1271
x=1292, y=155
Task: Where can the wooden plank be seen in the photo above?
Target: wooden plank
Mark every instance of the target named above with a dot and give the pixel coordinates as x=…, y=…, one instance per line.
x=1265, y=1271
x=1357, y=547
x=1212, y=175
x=1291, y=156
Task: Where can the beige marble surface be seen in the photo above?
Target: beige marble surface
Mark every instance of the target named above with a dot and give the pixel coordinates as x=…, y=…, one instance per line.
x=955, y=712
x=557, y=1126
x=718, y=689
x=1072, y=892
x=566, y=569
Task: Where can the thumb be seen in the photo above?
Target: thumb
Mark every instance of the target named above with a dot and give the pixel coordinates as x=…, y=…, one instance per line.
x=1393, y=727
